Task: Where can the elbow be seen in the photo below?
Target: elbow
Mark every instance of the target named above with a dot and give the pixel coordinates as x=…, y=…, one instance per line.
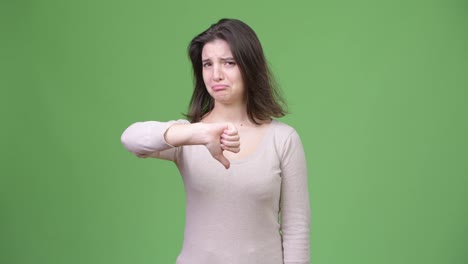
x=136, y=140
x=125, y=139
x=144, y=138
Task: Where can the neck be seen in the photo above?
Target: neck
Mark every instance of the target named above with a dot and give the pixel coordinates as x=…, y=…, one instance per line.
x=236, y=114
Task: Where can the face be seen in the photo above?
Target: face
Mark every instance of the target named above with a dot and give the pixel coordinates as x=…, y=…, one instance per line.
x=221, y=73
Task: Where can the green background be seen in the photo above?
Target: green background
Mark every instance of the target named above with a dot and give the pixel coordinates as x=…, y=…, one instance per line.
x=377, y=91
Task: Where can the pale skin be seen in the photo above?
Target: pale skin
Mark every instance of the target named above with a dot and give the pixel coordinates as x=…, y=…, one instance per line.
x=221, y=129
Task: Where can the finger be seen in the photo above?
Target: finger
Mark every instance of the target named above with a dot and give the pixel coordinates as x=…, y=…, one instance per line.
x=231, y=129
x=223, y=161
x=234, y=137
x=234, y=150
x=229, y=132
x=230, y=144
x=231, y=126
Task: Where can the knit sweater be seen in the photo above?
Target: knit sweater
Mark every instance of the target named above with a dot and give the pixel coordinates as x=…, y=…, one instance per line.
x=255, y=212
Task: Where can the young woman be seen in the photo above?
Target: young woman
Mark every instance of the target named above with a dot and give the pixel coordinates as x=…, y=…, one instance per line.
x=244, y=173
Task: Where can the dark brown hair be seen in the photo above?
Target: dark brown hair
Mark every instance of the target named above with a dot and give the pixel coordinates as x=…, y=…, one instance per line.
x=262, y=96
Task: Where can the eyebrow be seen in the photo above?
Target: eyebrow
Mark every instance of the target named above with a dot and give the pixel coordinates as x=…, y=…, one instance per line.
x=221, y=59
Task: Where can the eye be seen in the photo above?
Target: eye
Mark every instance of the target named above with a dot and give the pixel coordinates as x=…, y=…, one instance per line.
x=230, y=63
x=206, y=64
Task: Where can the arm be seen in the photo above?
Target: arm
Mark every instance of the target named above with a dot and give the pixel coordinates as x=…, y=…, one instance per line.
x=151, y=138
x=216, y=137
x=295, y=208
x=146, y=139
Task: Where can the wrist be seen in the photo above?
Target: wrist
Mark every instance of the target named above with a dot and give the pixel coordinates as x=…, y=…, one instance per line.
x=200, y=133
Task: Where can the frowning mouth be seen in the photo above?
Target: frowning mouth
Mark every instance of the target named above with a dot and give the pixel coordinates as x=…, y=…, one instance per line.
x=219, y=87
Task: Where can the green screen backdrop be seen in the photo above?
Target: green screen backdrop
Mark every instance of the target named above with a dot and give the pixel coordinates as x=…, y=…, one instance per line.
x=376, y=89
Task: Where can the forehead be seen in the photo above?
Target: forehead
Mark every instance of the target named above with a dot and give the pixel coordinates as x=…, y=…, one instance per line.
x=215, y=49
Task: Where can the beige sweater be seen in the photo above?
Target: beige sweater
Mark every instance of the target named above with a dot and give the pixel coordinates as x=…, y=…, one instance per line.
x=255, y=212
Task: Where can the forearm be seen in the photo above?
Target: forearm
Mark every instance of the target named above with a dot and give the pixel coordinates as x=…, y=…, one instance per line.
x=187, y=134
x=146, y=137
x=295, y=206
x=152, y=138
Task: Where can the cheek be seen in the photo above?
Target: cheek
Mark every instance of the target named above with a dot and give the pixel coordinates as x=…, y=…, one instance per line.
x=238, y=76
x=239, y=79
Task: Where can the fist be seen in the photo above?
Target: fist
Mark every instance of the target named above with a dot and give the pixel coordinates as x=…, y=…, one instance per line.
x=222, y=136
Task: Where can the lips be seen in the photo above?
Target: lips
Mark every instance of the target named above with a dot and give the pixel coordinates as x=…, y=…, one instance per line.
x=219, y=87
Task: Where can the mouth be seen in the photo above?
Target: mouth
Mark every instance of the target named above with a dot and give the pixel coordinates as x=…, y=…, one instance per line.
x=218, y=87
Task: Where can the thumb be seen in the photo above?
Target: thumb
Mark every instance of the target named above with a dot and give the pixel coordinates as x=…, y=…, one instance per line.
x=223, y=161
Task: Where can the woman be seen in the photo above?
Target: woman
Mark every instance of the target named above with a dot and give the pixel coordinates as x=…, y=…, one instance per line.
x=244, y=173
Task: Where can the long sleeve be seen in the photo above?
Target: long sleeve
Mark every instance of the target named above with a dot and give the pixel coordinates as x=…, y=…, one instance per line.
x=144, y=138
x=295, y=208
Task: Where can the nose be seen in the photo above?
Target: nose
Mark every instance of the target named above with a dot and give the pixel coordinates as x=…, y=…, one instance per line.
x=217, y=73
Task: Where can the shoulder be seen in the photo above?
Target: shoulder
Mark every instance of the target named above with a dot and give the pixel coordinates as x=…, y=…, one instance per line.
x=180, y=121
x=284, y=137
x=287, y=144
x=282, y=130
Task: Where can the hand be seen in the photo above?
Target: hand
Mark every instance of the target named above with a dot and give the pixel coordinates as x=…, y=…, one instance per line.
x=223, y=136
